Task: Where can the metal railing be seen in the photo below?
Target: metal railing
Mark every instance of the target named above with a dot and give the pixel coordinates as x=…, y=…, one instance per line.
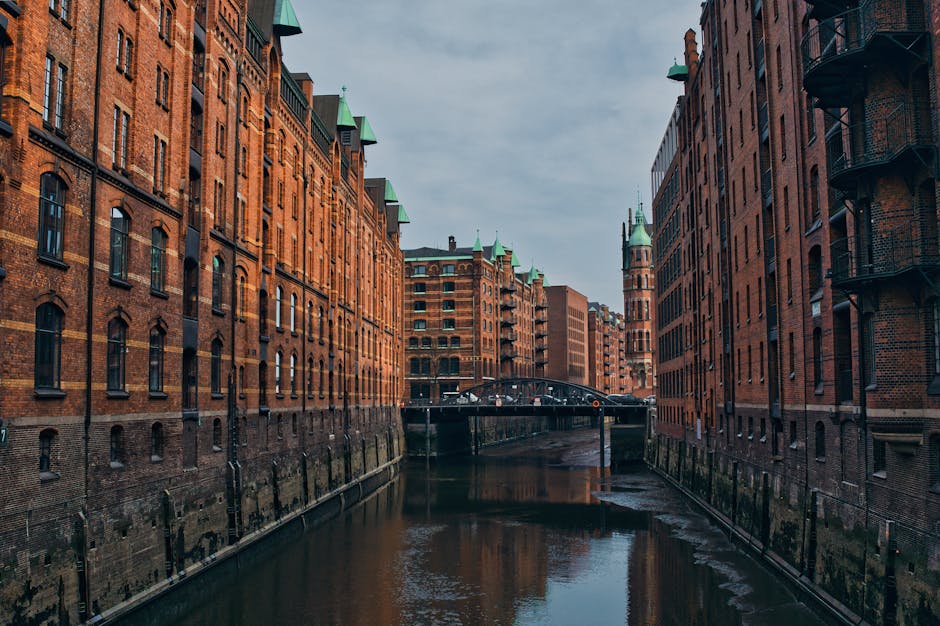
x=851, y=31
x=900, y=242
x=891, y=127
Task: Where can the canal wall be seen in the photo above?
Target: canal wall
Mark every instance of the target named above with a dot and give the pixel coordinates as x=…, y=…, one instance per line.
x=866, y=568
x=459, y=437
x=132, y=539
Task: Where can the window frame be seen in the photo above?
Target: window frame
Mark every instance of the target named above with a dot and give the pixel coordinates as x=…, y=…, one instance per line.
x=119, y=239
x=51, y=217
x=116, y=363
x=53, y=335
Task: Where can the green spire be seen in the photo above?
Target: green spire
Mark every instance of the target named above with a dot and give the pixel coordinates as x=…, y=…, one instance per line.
x=285, y=20
x=477, y=246
x=533, y=275
x=515, y=260
x=390, y=192
x=402, y=216
x=498, y=249
x=639, y=236
x=344, y=117
x=366, y=134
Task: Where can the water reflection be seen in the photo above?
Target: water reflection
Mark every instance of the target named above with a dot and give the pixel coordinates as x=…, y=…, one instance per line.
x=492, y=542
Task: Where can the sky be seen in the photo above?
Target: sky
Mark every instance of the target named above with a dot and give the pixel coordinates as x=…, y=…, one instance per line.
x=536, y=119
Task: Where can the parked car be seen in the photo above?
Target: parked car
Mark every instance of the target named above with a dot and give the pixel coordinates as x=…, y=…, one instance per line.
x=502, y=398
x=545, y=400
x=650, y=400
x=467, y=398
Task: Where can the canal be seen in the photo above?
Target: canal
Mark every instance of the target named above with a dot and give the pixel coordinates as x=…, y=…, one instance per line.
x=525, y=534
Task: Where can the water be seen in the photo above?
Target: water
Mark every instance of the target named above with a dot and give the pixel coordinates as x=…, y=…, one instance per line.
x=527, y=534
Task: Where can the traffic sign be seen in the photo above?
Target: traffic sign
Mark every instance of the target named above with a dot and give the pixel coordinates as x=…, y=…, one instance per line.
x=595, y=403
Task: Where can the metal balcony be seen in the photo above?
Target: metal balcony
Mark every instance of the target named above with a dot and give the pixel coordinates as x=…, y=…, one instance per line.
x=508, y=355
x=509, y=287
x=508, y=337
x=822, y=9
x=541, y=319
x=509, y=320
x=894, y=133
x=540, y=333
x=901, y=243
x=763, y=122
x=767, y=187
x=541, y=362
x=507, y=305
x=541, y=305
x=540, y=348
x=836, y=51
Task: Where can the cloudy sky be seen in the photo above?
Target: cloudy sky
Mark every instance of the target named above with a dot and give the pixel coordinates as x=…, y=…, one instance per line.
x=537, y=119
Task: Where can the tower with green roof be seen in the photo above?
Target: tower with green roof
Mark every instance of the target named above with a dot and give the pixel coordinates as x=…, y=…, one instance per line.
x=638, y=301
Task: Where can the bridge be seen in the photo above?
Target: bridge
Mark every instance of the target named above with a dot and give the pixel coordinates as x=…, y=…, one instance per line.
x=511, y=408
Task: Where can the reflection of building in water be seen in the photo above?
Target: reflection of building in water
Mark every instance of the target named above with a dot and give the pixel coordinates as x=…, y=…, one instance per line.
x=667, y=587
x=527, y=483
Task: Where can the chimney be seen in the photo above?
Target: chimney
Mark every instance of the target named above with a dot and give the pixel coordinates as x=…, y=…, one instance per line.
x=451, y=243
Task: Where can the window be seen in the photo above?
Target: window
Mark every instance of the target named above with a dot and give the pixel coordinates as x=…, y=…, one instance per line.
x=157, y=259
x=223, y=83
x=292, y=372
x=413, y=342
x=218, y=268
x=156, y=442
x=813, y=195
x=320, y=322
x=817, y=359
x=442, y=342
x=277, y=373
x=215, y=367
x=420, y=305
x=60, y=8
x=159, y=166
x=117, y=446
x=163, y=88
x=879, y=457
x=449, y=269
x=420, y=324
x=420, y=270
x=217, y=435
x=124, y=58
x=820, y=441
x=448, y=286
x=278, y=296
x=51, y=216
x=119, y=137
x=165, y=23
x=868, y=336
x=190, y=379
x=309, y=374
x=190, y=289
x=47, y=441
x=263, y=383
x=309, y=320
x=47, y=368
x=120, y=224
x=455, y=342
x=53, y=100
x=117, y=349
x=448, y=324
x=447, y=305
x=155, y=365
x=815, y=270
x=420, y=287
x=293, y=313
x=425, y=343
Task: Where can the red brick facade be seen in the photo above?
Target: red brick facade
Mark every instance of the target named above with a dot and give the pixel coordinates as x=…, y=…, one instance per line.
x=470, y=317
x=607, y=355
x=206, y=334
x=568, y=356
x=796, y=269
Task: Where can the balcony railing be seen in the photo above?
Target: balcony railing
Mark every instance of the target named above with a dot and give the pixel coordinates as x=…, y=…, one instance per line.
x=508, y=287
x=767, y=186
x=507, y=305
x=541, y=319
x=892, y=129
x=508, y=337
x=759, y=58
x=541, y=305
x=763, y=122
x=834, y=51
x=900, y=242
x=540, y=348
x=508, y=354
x=509, y=320
x=540, y=333
x=292, y=95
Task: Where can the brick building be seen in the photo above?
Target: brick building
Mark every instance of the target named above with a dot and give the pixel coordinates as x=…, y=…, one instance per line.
x=796, y=307
x=639, y=283
x=470, y=317
x=200, y=294
x=607, y=365
x=567, y=335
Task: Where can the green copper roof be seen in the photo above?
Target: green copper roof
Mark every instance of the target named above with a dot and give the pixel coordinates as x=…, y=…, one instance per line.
x=285, y=20
x=678, y=72
x=390, y=192
x=515, y=260
x=477, y=246
x=366, y=134
x=344, y=117
x=639, y=236
x=533, y=275
x=498, y=249
x=402, y=216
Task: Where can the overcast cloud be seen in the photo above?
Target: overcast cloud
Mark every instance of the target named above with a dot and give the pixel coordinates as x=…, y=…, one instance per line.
x=539, y=119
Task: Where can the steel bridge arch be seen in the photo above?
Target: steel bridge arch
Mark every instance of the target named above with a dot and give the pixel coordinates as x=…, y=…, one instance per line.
x=522, y=390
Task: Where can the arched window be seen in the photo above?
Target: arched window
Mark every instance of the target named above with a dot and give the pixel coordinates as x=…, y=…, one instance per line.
x=277, y=373
x=190, y=289
x=263, y=383
x=156, y=442
x=241, y=381
x=117, y=349
x=51, y=216
x=426, y=343
x=815, y=270
x=218, y=269
x=155, y=365
x=455, y=342
x=241, y=297
x=309, y=373
x=47, y=441
x=190, y=378
x=217, y=435
x=215, y=366
x=310, y=320
x=117, y=446
x=293, y=313
x=412, y=342
x=293, y=377
x=817, y=359
x=263, y=312
x=47, y=367
x=820, y=441
x=442, y=342
x=158, y=241
x=278, y=297
x=320, y=322
x=322, y=376
x=120, y=225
